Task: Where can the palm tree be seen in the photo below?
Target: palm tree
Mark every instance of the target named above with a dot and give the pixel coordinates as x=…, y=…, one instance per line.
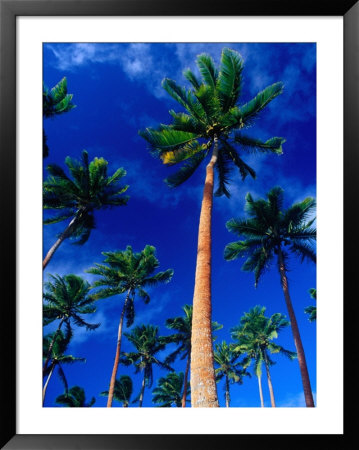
x=123, y=390
x=183, y=326
x=89, y=189
x=271, y=232
x=57, y=359
x=54, y=102
x=148, y=343
x=67, y=300
x=255, y=335
x=75, y=398
x=312, y=310
x=211, y=127
x=169, y=390
x=229, y=367
x=130, y=273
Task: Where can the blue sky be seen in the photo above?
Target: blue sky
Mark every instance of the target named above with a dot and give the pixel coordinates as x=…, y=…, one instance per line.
x=117, y=90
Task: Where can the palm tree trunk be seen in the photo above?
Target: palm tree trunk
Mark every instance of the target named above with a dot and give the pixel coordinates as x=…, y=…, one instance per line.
x=271, y=393
x=227, y=392
x=185, y=382
x=117, y=356
x=51, y=345
x=260, y=390
x=295, y=330
x=203, y=381
x=64, y=235
x=47, y=382
x=142, y=389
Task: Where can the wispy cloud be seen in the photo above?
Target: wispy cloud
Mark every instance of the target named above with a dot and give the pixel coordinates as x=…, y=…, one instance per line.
x=295, y=401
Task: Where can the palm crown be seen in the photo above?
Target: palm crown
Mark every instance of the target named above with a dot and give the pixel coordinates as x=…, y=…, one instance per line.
x=269, y=228
x=212, y=116
x=57, y=100
x=75, y=398
x=123, y=390
x=90, y=188
x=169, y=390
x=228, y=364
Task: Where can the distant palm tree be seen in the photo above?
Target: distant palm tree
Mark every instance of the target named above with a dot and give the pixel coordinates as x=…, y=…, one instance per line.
x=89, y=189
x=54, y=102
x=148, y=343
x=312, y=310
x=211, y=127
x=67, y=300
x=228, y=367
x=183, y=326
x=57, y=359
x=127, y=272
x=123, y=390
x=75, y=398
x=169, y=390
x=272, y=232
x=255, y=334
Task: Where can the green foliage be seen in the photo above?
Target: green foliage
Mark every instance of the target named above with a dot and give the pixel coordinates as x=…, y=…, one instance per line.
x=269, y=229
x=88, y=188
x=169, y=390
x=312, y=310
x=123, y=390
x=57, y=100
x=212, y=111
x=74, y=398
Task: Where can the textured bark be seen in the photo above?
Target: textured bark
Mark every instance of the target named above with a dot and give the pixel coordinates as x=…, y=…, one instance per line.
x=51, y=345
x=203, y=381
x=227, y=392
x=260, y=391
x=64, y=235
x=185, y=382
x=296, y=335
x=47, y=382
x=270, y=387
x=117, y=356
x=142, y=390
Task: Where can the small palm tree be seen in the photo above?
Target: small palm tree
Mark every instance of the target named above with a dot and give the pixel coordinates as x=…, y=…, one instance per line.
x=66, y=299
x=54, y=102
x=57, y=359
x=228, y=367
x=148, y=343
x=183, y=326
x=74, y=398
x=169, y=390
x=255, y=335
x=312, y=310
x=270, y=233
x=89, y=189
x=210, y=128
x=122, y=391
x=130, y=273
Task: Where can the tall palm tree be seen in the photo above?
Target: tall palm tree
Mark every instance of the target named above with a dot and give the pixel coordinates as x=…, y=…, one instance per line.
x=169, y=390
x=66, y=299
x=55, y=101
x=312, y=310
x=130, y=273
x=255, y=335
x=272, y=232
x=211, y=128
x=57, y=359
x=229, y=367
x=183, y=326
x=75, y=398
x=148, y=343
x=122, y=391
x=88, y=189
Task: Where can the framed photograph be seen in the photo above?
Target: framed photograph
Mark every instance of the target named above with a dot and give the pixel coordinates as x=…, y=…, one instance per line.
x=167, y=209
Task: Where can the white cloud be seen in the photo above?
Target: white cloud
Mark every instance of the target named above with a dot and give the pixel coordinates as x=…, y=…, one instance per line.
x=295, y=401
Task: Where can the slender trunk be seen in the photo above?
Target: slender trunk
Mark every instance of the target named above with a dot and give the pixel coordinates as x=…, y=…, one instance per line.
x=227, y=392
x=295, y=330
x=64, y=235
x=203, y=380
x=271, y=393
x=260, y=390
x=142, y=389
x=47, y=382
x=185, y=382
x=117, y=356
x=51, y=345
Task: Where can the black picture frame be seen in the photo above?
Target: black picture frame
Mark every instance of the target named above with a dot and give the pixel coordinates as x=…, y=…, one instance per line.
x=9, y=10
